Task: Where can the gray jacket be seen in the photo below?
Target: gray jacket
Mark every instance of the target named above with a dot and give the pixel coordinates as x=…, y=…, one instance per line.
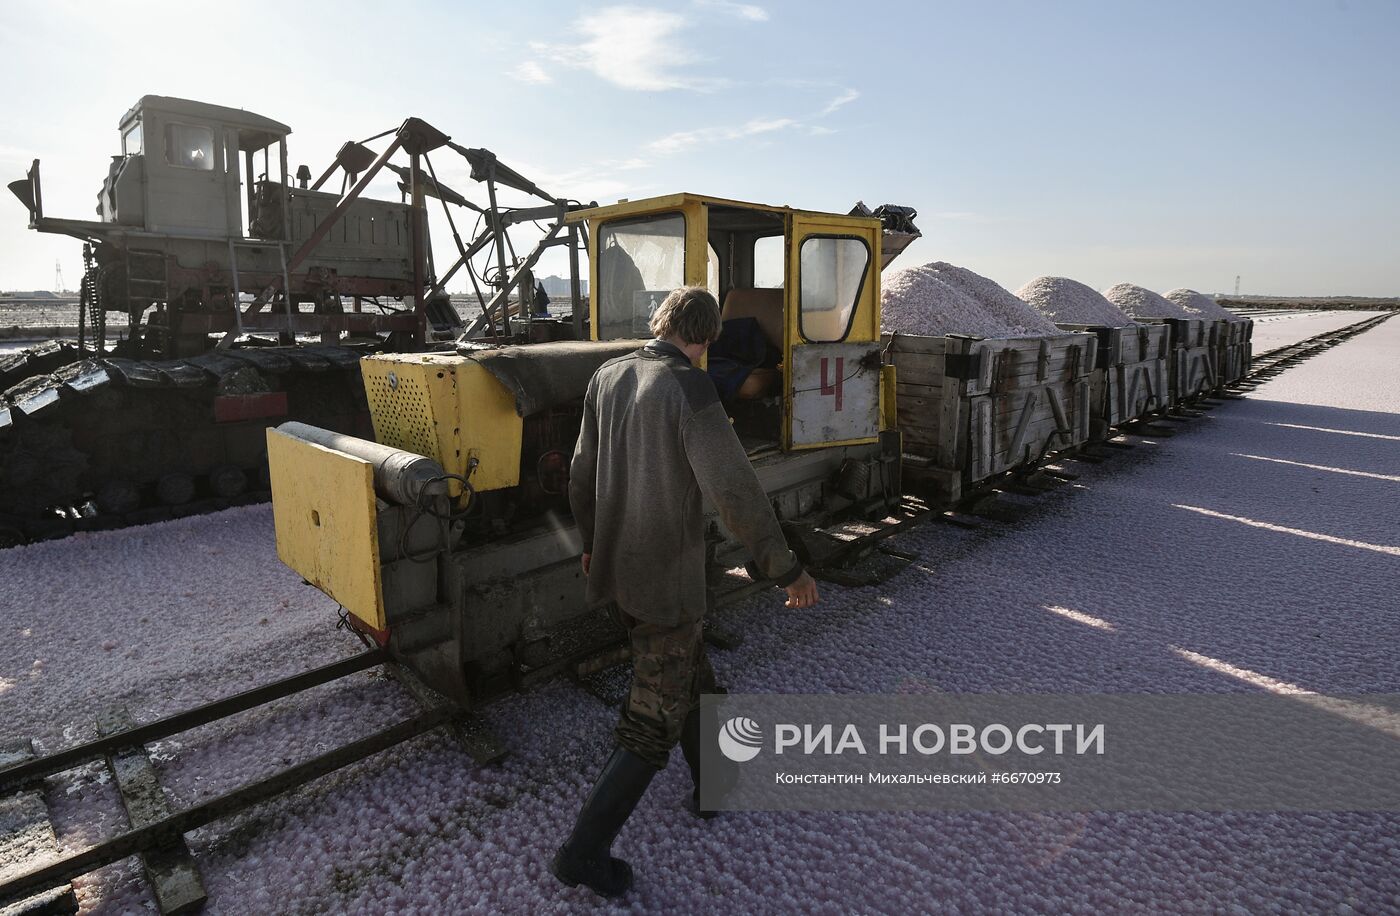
x=655, y=440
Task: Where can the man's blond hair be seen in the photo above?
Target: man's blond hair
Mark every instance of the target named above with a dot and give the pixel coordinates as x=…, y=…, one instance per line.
x=690, y=313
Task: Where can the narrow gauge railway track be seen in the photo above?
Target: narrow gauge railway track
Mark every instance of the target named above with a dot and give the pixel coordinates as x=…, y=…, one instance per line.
x=157, y=833
x=1266, y=365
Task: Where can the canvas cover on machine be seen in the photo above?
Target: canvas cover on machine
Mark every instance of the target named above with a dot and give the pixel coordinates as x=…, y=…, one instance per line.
x=546, y=375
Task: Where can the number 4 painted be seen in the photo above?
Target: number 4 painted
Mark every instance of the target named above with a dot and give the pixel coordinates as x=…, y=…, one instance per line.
x=829, y=386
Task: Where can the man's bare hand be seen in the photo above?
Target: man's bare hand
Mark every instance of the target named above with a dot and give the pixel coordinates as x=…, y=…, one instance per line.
x=586, y=558
x=803, y=592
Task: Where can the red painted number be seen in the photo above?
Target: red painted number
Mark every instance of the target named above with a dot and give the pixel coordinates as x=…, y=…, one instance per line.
x=833, y=387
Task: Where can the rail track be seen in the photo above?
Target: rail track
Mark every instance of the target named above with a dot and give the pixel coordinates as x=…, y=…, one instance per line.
x=1268, y=364
x=157, y=833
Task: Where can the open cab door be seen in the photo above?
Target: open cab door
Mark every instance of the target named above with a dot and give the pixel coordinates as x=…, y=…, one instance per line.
x=832, y=345
x=810, y=281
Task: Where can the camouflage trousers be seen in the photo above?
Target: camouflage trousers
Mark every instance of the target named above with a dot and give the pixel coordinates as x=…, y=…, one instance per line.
x=669, y=672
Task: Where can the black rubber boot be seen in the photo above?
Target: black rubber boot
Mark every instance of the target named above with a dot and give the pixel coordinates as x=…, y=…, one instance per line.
x=586, y=857
x=690, y=747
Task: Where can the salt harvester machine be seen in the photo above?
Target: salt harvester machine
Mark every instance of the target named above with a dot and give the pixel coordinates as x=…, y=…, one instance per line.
x=249, y=294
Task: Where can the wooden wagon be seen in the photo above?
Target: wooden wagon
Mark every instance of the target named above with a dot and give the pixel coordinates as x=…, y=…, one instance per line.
x=973, y=408
x=1236, y=350
x=1130, y=377
x=1193, y=370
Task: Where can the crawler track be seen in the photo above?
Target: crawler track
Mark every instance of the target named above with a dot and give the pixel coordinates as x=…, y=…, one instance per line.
x=111, y=442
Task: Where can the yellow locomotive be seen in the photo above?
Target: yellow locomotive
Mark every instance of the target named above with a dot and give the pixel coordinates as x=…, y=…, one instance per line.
x=449, y=539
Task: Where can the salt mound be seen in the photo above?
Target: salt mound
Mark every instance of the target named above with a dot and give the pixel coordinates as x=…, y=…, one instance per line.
x=996, y=301
x=916, y=301
x=1144, y=303
x=937, y=299
x=1067, y=301
x=1198, y=302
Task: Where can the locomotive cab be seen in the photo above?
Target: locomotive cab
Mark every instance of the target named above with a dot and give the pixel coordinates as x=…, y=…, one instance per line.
x=798, y=364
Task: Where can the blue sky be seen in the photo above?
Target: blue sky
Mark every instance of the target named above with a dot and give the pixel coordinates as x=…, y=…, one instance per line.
x=1165, y=144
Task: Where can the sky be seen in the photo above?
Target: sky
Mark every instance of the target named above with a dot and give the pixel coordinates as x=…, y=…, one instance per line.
x=1163, y=144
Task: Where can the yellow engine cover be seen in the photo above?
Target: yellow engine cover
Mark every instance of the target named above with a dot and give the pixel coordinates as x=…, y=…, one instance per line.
x=448, y=408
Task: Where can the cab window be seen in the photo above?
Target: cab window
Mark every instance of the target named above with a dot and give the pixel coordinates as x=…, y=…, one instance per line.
x=768, y=262
x=189, y=147
x=639, y=262
x=131, y=140
x=830, y=274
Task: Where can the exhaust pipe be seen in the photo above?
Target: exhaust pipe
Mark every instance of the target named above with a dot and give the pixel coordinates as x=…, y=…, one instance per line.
x=400, y=477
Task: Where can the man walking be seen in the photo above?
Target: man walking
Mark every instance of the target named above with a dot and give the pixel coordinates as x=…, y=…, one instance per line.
x=655, y=441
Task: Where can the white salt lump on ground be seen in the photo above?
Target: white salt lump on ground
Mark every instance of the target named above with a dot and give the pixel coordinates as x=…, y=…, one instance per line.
x=937, y=299
x=1144, y=303
x=1199, y=302
x=1067, y=301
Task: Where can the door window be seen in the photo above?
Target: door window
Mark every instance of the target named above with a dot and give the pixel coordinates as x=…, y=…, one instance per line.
x=830, y=275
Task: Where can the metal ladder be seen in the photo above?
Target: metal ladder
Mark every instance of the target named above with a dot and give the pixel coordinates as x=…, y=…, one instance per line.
x=148, y=289
x=233, y=245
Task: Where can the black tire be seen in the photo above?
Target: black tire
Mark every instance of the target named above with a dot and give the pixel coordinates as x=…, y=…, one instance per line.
x=119, y=497
x=227, y=481
x=175, y=489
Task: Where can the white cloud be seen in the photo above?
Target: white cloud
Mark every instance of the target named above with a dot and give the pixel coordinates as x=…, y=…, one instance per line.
x=845, y=98
x=688, y=139
x=531, y=72
x=742, y=10
x=595, y=180
x=633, y=48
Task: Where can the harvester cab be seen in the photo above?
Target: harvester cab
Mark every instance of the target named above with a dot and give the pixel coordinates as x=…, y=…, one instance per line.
x=178, y=172
x=180, y=164
x=449, y=538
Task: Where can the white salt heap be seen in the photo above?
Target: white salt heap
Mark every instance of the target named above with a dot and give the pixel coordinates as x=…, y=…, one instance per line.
x=1144, y=303
x=915, y=301
x=996, y=300
x=1198, y=302
x=1067, y=301
x=937, y=299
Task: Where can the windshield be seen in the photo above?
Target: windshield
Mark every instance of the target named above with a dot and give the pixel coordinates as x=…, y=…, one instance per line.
x=639, y=262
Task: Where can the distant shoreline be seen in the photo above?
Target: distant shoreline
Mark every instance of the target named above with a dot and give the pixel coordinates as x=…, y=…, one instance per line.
x=1363, y=303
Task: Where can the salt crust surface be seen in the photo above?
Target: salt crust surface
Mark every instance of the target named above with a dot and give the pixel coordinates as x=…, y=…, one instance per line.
x=938, y=298
x=1144, y=303
x=1273, y=331
x=1200, y=303
x=162, y=617
x=1067, y=301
